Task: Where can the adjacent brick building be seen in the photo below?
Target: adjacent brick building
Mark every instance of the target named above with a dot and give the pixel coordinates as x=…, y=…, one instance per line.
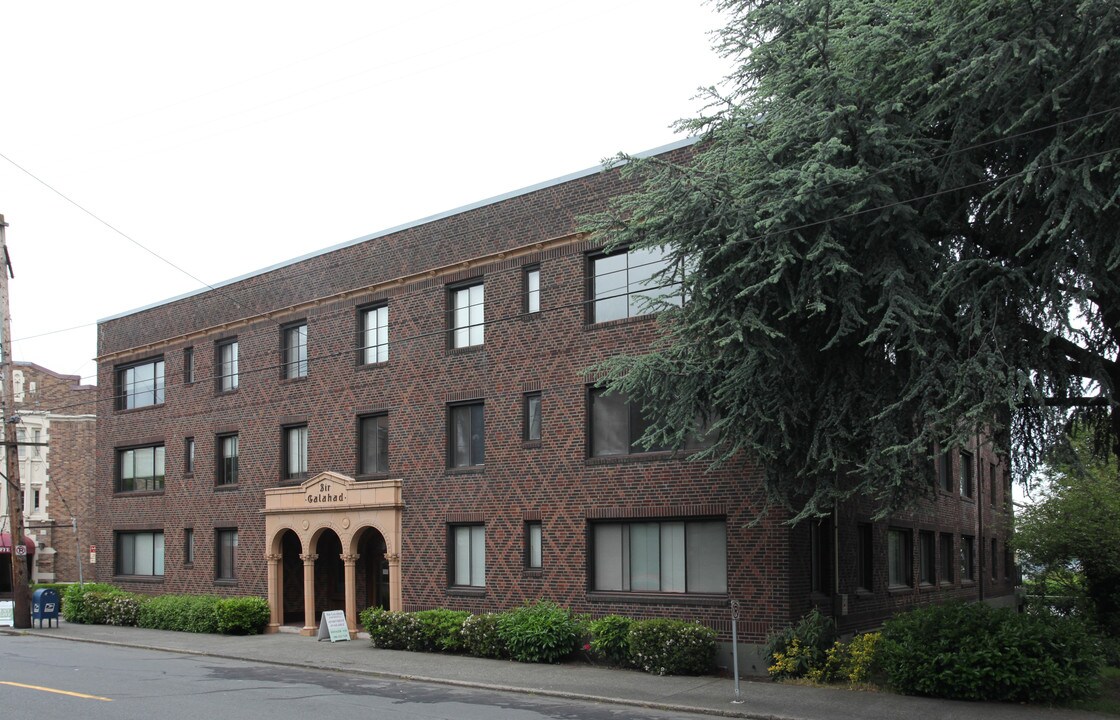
x=408, y=420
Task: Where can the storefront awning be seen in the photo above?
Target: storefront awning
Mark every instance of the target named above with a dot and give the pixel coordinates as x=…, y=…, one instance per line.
x=6, y=544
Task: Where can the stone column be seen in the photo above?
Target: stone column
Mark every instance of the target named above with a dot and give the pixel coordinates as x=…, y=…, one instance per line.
x=394, y=581
x=350, y=577
x=308, y=593
x=275, y=592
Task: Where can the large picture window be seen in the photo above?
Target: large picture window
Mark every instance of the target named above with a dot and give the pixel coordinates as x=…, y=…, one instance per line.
x=374, y=441
x=140, y=384
x=468, y=321
x=140, y=469
x=616, y=426
x=468, y=555
x=624, y=284
x=668, y=556
x=374, y=340
x=139, y=553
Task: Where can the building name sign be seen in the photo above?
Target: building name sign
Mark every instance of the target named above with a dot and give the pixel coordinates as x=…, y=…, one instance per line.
x=325, y=493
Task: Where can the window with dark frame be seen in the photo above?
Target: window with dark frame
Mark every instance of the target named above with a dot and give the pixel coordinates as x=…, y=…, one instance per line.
x=188, y=457
x=228, y=453
x=140, y=469
x=533, y=289
x=467, y=566
x=225, y=553
x=295, y=452
x=531, y=431
x=139, y=553
x=616, y=426
x=466, y=435
x=467, y=315
x=188, y=546
x=373, y=334
x=993, y=484
x=820, y=553
x=968, y=562
x=967, y=488
x=228, y=373
x=188, y=365
x=373, y=442
x=926, y=558
x=865, y=557
x=668, y=556
x=533, y=544
x=946, y=557
x=899, y=558
x=945, y=472
x=628, y=283
x=140, y=384
x=294, y=350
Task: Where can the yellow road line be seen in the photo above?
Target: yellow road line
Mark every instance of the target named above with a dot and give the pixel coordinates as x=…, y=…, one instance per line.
x=60, y=692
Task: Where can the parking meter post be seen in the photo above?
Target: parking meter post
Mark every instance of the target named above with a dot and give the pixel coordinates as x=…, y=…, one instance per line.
x=735, y=648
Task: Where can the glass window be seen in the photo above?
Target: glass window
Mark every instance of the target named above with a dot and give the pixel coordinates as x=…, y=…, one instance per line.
x=532, y=419
x=188, y=365
x=617, y=425
x=21, y=440
x=374, y=339
x=899, y=558
x=533, y=544
x=467, y=318
x=966, y=474
x=225, y=554
x=533, y=290
x=945, y=472
x=140, y=385
x=468, y=555
x=188, y=457
x=967, y=560
x=295, y=452
x=374, y=441
x=820, y=549
x=139, y=553
x=926, y=558
x=466, y=435
x=188, y=546
x=624, y=284
x=946, y=554
x=295, y=351
x=667, y=556
x=228, y=372
x=140, y=469
x=866, y=559
x=993, y=483
x=228, y=453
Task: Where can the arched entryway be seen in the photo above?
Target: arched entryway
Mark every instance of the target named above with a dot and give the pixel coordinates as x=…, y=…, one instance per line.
x=347, y=537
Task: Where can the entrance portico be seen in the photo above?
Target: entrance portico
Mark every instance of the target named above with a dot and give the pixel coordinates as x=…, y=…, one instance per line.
x=332, y=515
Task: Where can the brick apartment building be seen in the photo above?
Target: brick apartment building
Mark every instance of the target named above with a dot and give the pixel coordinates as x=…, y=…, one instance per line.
x=406, y=420
x=56, y=476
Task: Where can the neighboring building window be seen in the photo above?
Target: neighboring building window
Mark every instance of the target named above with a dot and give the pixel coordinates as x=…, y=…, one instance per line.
x=672, y=556
x=374, y=444
x=967, y=489
x=899, y=558
x=36, y=439
x=188, y=546
x=820, y=547
x=36, y=501
x=188, y=365
x=225, y=554
x=968, y=568
x=467, y=318
x=466, y=435
x=926, y=558
x=533, y=289
x=295, y=351
x=140, y=384
x=945, y=472
x=992, y=560
x=140, y=469
x=374, y=340
x=468, y=555
x=295, y=452
x=21, y=440
x=188, y=457
x=532, y=417
x=946, y=555
x=139, y=553
x=866, y=557
x=992, y=484
x=623, y=284
x=228, y=454
x=228, y=373
x=533, y=544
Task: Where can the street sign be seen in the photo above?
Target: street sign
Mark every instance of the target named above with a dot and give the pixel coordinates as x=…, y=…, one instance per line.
x=21, y=551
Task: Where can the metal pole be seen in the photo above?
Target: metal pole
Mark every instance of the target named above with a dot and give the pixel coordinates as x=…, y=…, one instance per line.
x=735, y=648
x=77, y=549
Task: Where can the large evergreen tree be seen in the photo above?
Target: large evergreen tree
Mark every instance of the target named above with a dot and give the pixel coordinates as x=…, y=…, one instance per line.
x=900, y=228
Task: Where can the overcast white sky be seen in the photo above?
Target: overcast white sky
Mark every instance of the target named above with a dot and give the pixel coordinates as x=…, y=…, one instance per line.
x=229, y=136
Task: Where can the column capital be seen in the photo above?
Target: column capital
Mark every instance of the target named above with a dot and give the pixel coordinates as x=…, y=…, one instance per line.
x=393, y=558
x=309, y=557
x=349, y=559
x=274, y=557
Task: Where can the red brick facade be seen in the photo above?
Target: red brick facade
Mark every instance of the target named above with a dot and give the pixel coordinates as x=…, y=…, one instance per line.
x=552, y=480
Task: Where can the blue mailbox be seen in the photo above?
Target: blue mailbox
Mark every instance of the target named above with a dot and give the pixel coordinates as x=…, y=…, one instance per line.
x=44, y=606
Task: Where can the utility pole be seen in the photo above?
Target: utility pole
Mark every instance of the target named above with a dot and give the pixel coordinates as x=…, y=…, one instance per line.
x=21, y=597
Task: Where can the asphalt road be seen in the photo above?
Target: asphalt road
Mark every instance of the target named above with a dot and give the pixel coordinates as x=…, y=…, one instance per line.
x=45, y=678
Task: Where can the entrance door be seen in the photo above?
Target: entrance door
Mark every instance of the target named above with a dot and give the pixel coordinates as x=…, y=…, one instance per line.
x=292, y=579
x=375, y=569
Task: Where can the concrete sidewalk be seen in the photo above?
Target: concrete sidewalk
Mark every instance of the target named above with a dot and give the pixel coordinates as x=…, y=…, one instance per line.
x=709, y=695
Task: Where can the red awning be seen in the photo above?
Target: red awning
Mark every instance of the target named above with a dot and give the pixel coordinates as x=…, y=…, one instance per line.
x=6, y=544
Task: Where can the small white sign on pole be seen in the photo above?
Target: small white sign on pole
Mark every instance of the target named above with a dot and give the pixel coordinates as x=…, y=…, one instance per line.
x=332, y=626
x=7, y=613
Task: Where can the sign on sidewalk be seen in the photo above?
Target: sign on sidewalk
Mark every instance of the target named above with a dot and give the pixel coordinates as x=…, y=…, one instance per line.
x=333, y=626
x=7, y=613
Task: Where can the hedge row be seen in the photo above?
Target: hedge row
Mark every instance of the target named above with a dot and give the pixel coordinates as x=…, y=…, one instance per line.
x=544, y=632
x=104, y=604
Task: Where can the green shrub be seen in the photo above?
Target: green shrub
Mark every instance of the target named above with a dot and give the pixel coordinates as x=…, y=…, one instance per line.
x=242, y=615
x=814, y=634
x=610, y=639
x=393, y=630
x=541, y=632
x=442, y=630
x=183, y=613
x=976, y=652
x=112, y=608
x=74, y=606
x=862, y=661
x=480, y=636
x=672, y=647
